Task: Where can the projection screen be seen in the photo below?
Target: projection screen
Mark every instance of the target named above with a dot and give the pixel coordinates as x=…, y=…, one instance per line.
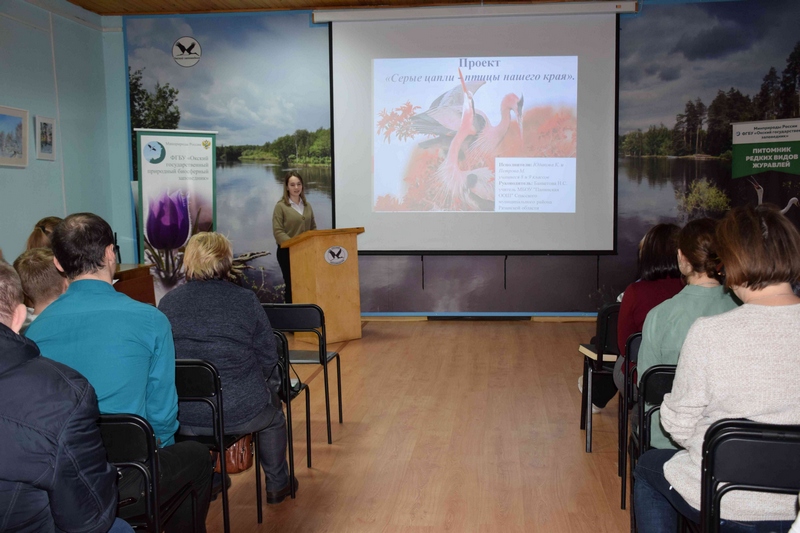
x=476, y=135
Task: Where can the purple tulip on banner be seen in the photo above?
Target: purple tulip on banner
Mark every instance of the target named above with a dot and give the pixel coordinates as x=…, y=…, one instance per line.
x=168, y=224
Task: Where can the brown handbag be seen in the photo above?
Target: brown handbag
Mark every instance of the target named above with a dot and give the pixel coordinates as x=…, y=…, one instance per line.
x=238, y=458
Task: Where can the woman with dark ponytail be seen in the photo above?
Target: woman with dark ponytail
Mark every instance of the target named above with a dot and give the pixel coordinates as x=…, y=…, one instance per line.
x=667, y=324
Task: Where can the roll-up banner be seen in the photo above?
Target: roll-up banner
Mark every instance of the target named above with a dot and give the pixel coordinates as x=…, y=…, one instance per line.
x=767, y=145
x=177, y=177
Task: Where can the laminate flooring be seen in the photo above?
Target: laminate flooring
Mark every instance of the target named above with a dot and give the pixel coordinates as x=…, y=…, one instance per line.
x=448, y=426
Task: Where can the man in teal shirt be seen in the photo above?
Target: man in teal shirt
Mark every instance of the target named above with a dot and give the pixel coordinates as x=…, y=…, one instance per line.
x=125, y=350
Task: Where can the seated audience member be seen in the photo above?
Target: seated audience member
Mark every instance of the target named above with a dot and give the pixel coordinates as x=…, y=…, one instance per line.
x=40, y=236
x=48, y=483
x=216, y=320
x=659, y=279
x=125, y=350
x=740, y=364
x=41, y=280
x=666, y=326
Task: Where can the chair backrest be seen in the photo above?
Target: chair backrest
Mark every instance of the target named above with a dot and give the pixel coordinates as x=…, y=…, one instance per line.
x=606, y=333
x=632, y=346
x=131, y=442
x=197, y=380
x=746, y=455
x=295, y=317
x=282, y=346
x=654, y=384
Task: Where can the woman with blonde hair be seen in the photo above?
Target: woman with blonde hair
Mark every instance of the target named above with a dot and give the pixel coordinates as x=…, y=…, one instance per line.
x=223, y=323
x=292, y=216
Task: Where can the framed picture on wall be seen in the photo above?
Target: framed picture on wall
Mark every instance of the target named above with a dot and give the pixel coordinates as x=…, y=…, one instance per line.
x=45, y=138
x=13, y=137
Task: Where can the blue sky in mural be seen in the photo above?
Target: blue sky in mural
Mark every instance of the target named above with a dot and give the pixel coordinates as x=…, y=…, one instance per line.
x=260, y=76
x=674, y=53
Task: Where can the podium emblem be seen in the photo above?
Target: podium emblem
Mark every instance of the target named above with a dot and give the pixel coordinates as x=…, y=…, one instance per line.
x=335, y=255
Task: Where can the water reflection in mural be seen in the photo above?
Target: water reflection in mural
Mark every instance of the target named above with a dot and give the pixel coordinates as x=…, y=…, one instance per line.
x=246, y=196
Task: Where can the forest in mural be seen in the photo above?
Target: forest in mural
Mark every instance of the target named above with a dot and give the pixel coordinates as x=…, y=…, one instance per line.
x=706, y=129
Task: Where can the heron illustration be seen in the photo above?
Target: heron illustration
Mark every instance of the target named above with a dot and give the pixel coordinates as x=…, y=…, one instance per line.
x=443, y=118
x=491, y=137
x=473, y=188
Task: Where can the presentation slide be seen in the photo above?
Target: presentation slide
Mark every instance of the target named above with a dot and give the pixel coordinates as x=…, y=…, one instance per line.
x=478, y=134
x=475, y=134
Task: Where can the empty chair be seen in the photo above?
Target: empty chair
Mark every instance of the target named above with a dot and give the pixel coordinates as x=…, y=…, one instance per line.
x=308, y=318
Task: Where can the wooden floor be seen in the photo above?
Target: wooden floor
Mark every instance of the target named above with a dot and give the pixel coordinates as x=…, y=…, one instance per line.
x=449, y=426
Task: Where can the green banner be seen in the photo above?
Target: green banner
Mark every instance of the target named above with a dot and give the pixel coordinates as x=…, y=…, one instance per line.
x=751, y=159
x=766, y=146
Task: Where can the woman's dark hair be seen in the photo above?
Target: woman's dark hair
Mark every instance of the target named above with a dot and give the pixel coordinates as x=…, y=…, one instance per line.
x=697, y=243
x=658, y=258
x=758, y=246
x=79, y=243
x=40, y=236
x=286, y=179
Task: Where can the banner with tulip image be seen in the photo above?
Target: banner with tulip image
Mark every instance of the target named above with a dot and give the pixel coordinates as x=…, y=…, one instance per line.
x=177, y=176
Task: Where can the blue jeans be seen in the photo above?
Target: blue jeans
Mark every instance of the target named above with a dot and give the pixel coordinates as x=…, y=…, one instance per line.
x=657, y=505
x=120, y=526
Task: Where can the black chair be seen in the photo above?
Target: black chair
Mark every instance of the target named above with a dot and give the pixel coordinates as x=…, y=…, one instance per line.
x=746, y=455
x=308, y=318
x=198, y=381
x=654, y=384
x=604, y=350
x=290, y=392
x=130, y=442
x=631, y=356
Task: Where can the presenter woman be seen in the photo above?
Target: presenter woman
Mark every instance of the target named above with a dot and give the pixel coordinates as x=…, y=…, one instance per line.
x=292, y=216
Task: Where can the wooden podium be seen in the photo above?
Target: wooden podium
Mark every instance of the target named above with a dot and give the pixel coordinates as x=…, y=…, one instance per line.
x=325, y=272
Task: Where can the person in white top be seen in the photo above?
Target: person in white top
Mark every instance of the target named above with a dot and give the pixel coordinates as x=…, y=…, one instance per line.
x=740, y=364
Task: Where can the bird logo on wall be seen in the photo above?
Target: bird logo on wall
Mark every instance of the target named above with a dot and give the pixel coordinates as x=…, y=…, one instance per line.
x=186, y=51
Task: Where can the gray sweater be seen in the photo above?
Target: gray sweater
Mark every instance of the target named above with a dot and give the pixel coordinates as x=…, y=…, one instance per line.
x=225, y=325
x=740, y=364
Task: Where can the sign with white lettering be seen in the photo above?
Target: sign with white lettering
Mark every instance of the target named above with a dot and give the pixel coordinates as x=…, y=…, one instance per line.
x=769, y=145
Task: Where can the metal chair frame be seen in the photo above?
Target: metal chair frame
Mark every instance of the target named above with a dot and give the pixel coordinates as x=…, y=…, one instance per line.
x=290, y=393
x=631, y=356
x=746, y=455
x=605, y=344
x=130, y=442
x=308, y=318
x=655, y=382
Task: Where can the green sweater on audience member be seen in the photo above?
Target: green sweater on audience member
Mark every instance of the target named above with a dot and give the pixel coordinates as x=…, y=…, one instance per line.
x=665, y=329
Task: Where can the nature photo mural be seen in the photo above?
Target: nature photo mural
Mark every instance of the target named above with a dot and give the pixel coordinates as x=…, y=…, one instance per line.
x=261, y=81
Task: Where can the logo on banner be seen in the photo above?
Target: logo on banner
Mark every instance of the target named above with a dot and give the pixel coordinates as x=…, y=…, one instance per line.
x=154, y=152
x=206, y=144
x=186, y=51
x=335, y=255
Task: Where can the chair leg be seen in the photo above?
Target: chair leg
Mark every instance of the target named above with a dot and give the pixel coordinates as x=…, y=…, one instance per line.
x=327, y=401
x=308, y=427
x=257, y=460
x=632, y=454
x=587, y=388
x=290, y=441
x=226, y=512
x=339, y=385
x=624, y=463
x=583, y=396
